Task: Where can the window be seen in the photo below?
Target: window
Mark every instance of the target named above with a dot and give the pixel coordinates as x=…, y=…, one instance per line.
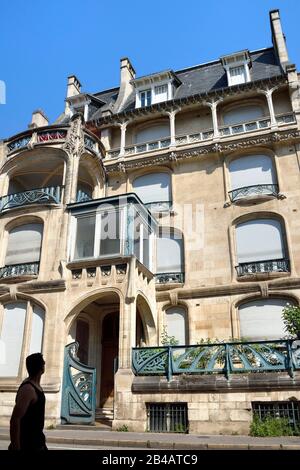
x=145, y=98
x=16, y=318
x=260, y=247
x=169, y=253
x=175, y=323
x=161, y=93
x=154, y=190
x=242, y=114
x=153, y=133
x=167, y=417
x=24, y=244
x=97, y=234
x=262, y=320
x=142, y=244
x=237, y=75
x=252, y=175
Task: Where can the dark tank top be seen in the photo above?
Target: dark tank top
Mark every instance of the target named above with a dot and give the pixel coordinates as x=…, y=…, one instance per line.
x=32, y=423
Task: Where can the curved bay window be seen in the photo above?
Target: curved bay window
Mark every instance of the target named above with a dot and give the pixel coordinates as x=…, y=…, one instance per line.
x=21, y=334
x=170, y=258
x=260, y=247
x=262, y=319
x=154, y=190
x=245, y=118
x=252, y=176
x=23, y=251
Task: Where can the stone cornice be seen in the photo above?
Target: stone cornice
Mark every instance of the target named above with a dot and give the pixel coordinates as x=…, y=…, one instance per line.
x=199, y=98
x=232, y=289
x=123, y=165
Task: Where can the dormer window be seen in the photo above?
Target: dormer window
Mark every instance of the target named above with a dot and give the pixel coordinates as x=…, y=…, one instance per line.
x=155, y=88
x=145, y=98
x=237, y=68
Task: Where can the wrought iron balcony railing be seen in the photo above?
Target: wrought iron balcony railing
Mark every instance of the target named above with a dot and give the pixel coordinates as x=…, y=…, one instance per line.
x=254, y=190
x=220, y=358
x=164, y=278
x=15, y=270
x=82, y=196
x=265, y=266
x=49, y=195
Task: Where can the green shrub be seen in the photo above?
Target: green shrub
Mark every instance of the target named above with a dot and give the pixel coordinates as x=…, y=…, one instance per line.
x=123, y=428
x=270, y=426
x=291, y=319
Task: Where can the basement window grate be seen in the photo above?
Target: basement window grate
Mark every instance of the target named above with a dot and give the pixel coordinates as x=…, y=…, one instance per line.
x=279, y=409
x=167, y=417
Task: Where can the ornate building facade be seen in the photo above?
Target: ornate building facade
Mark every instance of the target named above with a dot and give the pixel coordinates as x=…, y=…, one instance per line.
x=149, y=242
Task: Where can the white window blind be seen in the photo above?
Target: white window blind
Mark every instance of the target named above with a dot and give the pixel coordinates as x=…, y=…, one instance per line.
x=153, y=187
x=37, y=328
x=261, y=319
x=175, y=322
x=12, y=338
x=251, y=170
x=24, y=244
x=169, y=254
x=259, y=240
x=153, y=133
x=242, y=114
x=237, y=75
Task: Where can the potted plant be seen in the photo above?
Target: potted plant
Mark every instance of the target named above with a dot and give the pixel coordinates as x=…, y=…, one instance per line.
x=291, y=319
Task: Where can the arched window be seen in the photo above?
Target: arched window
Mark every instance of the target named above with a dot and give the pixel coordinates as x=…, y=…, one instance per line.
x=260, y=247
x=24, y=244
x=154, y=189
x=242, y=114
x=170, y=257
x=252, y=175
x=156, y=132
x=175, y=323
x=262, y=319
x=19, y=319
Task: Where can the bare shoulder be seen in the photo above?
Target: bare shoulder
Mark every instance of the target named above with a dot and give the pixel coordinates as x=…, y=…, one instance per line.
x=27, y=392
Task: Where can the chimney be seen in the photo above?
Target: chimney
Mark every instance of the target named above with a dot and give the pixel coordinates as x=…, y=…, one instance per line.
x=39, y=119
x=73, y=88
x=278, y=38
x=127, y=74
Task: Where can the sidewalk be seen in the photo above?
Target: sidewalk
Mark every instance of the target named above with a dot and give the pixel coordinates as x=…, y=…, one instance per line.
x=96, y=437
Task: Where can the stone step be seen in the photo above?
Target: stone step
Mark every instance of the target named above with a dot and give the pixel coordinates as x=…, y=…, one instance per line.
x=86, y=427
x=104, y=414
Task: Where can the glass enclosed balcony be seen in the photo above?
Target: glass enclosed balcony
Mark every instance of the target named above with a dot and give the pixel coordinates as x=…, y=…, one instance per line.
x=112, y=227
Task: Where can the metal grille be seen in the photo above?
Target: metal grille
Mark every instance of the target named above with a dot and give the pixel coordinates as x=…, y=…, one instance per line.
x=279, y=409
x=167, y=417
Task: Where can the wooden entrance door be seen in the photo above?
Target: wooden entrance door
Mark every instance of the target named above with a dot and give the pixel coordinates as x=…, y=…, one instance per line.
x=110, y=349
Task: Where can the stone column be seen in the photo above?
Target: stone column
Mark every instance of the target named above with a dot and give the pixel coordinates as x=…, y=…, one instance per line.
x=213, y=107
x=123, y=127
x=268, y=95
x=172, y=115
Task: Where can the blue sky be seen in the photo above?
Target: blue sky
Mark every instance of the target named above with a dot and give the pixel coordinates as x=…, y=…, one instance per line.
x=44, y=42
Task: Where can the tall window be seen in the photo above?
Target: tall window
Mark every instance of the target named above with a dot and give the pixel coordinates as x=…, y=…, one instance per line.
x=142, y=242
x=145, y=98
x=260, y=246
x=24, y=244
x=154, y=189
x=19, y=319
x=237, y=75
x=152, y=133
x=242, y=114
x=251, y=175
x=262, y=319
x=161, y=93
x=170, y=253
x=175, y=323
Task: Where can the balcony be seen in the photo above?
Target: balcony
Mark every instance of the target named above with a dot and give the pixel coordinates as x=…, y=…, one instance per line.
x=166, y=278
x=263, y=267
x=217, y=358
x=16, y=270
x=49, y=136
x=257, y=190
x=204, y=136
x=48, y=195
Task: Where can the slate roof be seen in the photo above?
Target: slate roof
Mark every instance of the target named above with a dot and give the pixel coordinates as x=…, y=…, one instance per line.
x=202, y=79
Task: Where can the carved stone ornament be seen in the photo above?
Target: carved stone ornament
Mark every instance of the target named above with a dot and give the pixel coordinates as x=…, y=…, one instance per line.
x=32, y=141
x=74, y=145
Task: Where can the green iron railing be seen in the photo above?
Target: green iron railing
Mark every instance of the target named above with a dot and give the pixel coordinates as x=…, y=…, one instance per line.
x=220, y=358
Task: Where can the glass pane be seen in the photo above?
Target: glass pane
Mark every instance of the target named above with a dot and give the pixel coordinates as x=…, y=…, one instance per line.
x=85, y=237
x=110, y=233
x=12, y=338
x=37, y=327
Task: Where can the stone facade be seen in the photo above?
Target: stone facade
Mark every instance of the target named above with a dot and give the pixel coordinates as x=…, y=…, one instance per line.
x=99, y=157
